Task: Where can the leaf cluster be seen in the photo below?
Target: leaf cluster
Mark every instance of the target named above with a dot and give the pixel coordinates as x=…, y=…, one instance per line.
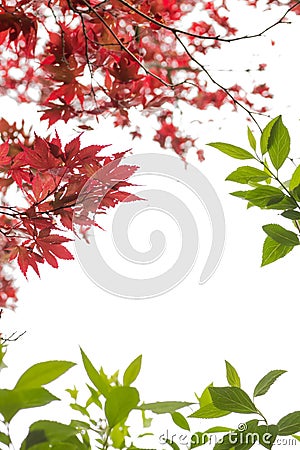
x=267, y=189
x=104, y=418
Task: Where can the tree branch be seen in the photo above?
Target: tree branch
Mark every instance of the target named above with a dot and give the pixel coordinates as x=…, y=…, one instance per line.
x=212, y=79
x=216, y=38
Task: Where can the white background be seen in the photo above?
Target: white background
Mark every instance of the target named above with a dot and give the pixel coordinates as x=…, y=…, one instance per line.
x=244, y=313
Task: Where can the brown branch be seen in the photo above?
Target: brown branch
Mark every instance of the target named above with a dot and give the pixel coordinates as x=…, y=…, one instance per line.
x=212, y=79
x=121, y=44
x=215, y=38
x=12, y=337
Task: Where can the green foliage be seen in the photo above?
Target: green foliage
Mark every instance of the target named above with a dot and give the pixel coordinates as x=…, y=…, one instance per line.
x=265, y=136
x=295, y=180
x=43, y=373
x=13, y=401
x=267, y=190
x=132, y=371
x=120, y=401
x=164, y=407
x=232, y=399
x=207, y=409
x=266, y=382
x=251, y=139
x=180, y=420
x=289, y=424
x=103, y=420
x=245, y=174
x=281, y=235
x=272, y=251
x=96, y=377
x=232, y=375
x=232, y=150
x=279, y=144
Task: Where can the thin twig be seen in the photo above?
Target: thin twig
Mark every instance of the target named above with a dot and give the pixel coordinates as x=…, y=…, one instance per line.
x=121, y=44
x=215, y=38
x=212, y=79
x=12, y=337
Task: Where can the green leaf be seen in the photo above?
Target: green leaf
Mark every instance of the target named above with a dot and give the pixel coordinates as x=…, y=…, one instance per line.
x=73, y=393
x=94, y=398
x=117, y=436
x=163, y=407
x=285, y=203
x=267, y=435
x=251, y=139
x=264, y=140
x=264, y=196
x=289, y=424
x=54, y=432
x=147, y=421
x=240, y=439
x=209, y=411
x=12, y=401
x=218, y=430
x=80, y=408
x=43, y=373
x=198, y=439
x=281, y=235
x=4, y=438
x=295, y=181
x=266, y=169
x=205, y=398
x=272, y=251
x=296, y=437
x=240, y=194
x=2, y=354
x=120, y=401
x=96, y=378
x=266, y=382
x=180, y=420
x=132, y=371
x=35, y=440
x=225, y=443
x=232, y=375
x=79, y=424
x=232, y=150
x=279, y=144
x=246, y=174
x=232, y=399
x=172, y=444
x=291, y=214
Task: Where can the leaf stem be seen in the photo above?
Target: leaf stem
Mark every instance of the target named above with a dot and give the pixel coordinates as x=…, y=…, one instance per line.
x=105, y=443
x=11, y=445
x=263, y=417
x=275, y=177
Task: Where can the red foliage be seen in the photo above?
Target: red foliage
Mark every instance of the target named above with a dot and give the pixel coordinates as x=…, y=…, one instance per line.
x=97, y=57
x=50, y=178
x=84, y=58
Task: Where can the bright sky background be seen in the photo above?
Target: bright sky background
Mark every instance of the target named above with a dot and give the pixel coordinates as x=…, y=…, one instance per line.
x=244, y=313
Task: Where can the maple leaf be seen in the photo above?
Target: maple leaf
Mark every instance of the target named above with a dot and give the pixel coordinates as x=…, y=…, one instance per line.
x=40, y=156
x=26, y=258
x=42, y=185
x=5, y=159
x=263, y=90
x=13, y=23
x=50, y=248
x=125, y=69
